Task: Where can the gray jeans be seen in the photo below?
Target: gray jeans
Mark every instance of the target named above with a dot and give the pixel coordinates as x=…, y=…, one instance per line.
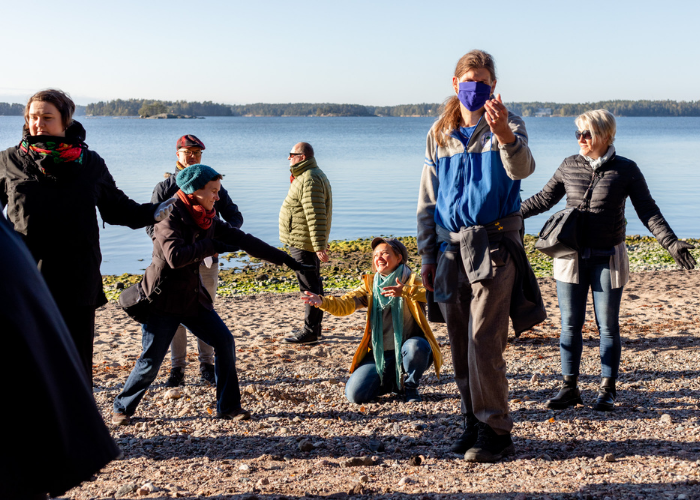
x=477, y=324
x=178, y=347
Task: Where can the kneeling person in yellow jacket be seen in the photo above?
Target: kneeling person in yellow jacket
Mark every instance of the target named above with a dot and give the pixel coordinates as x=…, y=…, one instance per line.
x=398, y=345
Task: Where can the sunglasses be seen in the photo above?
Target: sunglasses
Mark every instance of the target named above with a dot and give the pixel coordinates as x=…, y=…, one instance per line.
x=586, y=134
x=296, y=154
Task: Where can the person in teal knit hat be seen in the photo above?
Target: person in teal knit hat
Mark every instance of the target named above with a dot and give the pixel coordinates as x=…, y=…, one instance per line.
x=178, y=296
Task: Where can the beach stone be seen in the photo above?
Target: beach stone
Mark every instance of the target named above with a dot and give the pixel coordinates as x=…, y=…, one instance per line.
x=609, y=457
x=666, y=419
x=244, y=468
x=535, y=378
x=146, y=489
x=358, y=462
x=405, y=480
x=306, y=445
x=364, y=478
x=174, y=393
x=376, y=445
x=124, y=490
x=263, y=481
x=415, y=460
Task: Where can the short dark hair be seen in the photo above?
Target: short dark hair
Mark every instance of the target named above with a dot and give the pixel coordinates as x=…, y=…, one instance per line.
x=58, y=98
x=306, y=149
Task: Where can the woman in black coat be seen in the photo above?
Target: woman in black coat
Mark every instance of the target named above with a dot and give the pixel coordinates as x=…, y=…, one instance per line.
x=597, y=181
x=51, y=183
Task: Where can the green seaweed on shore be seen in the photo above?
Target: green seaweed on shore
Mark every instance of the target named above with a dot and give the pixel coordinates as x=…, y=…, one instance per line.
x=352, y=258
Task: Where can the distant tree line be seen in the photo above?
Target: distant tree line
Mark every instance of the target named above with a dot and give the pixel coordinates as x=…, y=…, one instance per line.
x=618, y=108
x=148, y=107
x=15, y=109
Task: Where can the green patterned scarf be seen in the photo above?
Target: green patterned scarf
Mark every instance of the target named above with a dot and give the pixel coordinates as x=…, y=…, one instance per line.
x=379, y=303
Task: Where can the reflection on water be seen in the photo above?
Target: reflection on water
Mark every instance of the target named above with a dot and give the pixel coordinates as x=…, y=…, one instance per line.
x=374, y=165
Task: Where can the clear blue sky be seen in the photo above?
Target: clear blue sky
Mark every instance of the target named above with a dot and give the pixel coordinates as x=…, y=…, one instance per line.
x=366, y=52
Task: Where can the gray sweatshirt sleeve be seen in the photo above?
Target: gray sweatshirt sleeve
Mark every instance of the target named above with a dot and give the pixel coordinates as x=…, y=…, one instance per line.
x=427, y=198
x=516, y=156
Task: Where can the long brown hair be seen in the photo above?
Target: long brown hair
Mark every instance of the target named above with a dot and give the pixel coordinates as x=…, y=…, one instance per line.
x=450, y=112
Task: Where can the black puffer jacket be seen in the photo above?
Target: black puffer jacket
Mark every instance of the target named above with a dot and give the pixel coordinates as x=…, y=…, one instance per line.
x=58, y=221
x=604, y=216
x=225, y=207
x=179, y=246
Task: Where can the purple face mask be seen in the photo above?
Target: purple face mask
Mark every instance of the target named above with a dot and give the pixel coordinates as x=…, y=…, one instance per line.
x=473, y=94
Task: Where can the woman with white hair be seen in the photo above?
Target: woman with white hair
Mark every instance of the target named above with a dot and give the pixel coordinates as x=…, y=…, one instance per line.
x=598, y=182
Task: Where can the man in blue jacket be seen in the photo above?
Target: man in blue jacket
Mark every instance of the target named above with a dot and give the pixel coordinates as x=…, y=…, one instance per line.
x=189, y=152
x=469, y=227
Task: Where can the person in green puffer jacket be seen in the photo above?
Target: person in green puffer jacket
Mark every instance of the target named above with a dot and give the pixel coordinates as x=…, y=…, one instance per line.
x=305, y=224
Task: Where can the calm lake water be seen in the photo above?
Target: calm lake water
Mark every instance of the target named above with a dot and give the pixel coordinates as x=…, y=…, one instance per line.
x=374, y=165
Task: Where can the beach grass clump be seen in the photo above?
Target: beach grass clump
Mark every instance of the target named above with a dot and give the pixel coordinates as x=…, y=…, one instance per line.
x=352, y=258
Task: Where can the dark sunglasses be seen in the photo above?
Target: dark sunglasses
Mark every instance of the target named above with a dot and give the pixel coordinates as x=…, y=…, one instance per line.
x=296, y=154
x=586, y=134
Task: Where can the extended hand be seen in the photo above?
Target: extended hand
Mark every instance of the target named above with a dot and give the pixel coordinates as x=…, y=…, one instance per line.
x=679, y=251
x=393, y=291
x=298, y=266
x=497, y=119
x=312, y=299
x=427, y=272
x=323, y=256
x=164, y=209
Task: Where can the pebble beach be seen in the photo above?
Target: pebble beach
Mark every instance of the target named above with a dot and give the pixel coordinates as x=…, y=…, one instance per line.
x=306, y=440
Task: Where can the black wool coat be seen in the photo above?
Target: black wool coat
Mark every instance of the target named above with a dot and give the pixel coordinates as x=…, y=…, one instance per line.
x=57, y=218
x=603, y=218
x=58, y=438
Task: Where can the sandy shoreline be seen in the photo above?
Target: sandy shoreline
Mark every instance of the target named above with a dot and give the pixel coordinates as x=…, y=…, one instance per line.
x=296, y=396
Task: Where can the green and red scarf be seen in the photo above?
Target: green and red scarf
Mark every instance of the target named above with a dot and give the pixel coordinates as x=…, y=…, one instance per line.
x=49, y=153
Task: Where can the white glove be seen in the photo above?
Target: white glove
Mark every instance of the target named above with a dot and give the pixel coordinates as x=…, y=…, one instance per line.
x=164, y=209
x=208, y=261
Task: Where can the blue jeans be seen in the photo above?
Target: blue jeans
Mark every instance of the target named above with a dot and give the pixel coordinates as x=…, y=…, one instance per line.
x=594, y=273
x=156, y=335
x=364, y=384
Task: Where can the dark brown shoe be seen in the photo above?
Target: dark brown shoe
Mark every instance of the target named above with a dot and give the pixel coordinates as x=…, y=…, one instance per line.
x=239, y=414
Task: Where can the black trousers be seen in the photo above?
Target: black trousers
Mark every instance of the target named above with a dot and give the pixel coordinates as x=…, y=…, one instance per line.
x=80, y=321
x=310, y=281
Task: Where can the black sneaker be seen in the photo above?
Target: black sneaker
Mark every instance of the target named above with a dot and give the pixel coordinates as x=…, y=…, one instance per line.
x=490, y=447
x=301, y=336
x=412, y=396
x=468, y=437
x=206, y=374
x=176, y=378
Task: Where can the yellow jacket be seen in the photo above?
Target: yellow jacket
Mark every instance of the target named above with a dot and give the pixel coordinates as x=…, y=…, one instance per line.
x=413, y=293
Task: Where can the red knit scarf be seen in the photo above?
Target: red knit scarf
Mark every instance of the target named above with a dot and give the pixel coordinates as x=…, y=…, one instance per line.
x=201, y=215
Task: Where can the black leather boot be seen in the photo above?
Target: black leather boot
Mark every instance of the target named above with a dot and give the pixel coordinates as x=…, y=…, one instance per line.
x=468, y=437
x=569, y=395
x=606, y=395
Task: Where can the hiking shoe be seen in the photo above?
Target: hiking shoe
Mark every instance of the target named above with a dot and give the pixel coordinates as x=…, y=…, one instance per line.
x=412, y=396
x=490, y=447
x=239, y=414
x=176, y=378
x=569, y=395
x=468, y=437
x=301, y=336
x=120, y=419
x=606, y=395
x=206, y=374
